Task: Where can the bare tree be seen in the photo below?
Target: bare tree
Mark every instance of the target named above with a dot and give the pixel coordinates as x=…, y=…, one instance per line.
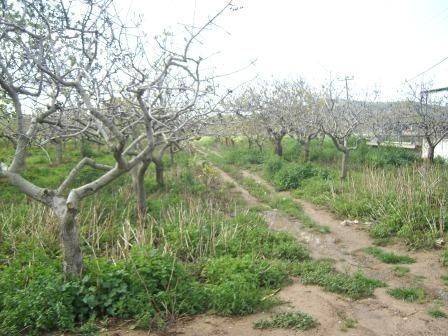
x=341, y=118
x=68, y=61
x=304, y=107
x=427, y=114
x=265, y=102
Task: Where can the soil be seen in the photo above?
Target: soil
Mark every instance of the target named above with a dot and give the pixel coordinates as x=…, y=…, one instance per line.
x=380, y=315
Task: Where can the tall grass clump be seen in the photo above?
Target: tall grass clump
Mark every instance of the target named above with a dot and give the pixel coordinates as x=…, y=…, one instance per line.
x=407, y=202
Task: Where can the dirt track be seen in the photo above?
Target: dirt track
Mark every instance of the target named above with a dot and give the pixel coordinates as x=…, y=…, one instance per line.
x=379, y=315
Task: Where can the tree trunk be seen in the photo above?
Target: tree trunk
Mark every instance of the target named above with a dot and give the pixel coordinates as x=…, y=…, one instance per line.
x=259, y=145
x=70, y=238
x=249, y=143
x=306, y=151
x=159, y=173
x=278, y=146
x=431, y=153
x=345, y=156
x=138, y=181
x=171, y=155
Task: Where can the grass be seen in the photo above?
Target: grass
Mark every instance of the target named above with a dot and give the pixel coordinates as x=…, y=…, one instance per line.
x=389, y=257
x=288, y=320
x=139, y=271
x=321, y=273
x=401, y=198
x=400, y=271
x=198, y=250
x=292, y=208
x=408, y=294
x=437, y=313
x=262, y=193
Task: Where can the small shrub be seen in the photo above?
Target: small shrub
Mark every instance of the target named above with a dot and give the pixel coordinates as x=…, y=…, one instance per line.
x=263, y=273
x=409, y=294
x=243, y=156
x=34, y=297
x=237, y=286
x=291, y=175
x=389, y=257
x=316, y=189
x=235, y=296
x=288, y=320
x=254, y=237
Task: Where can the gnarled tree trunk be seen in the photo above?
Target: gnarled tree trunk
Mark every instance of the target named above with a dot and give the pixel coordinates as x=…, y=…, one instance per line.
x=69, y=236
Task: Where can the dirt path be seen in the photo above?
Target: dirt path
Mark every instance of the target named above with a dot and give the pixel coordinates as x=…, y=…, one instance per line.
x=380, y=315
x=350, y=240
x=345, y=245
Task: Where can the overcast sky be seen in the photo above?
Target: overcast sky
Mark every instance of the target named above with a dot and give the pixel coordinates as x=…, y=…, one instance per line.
x=381, y=43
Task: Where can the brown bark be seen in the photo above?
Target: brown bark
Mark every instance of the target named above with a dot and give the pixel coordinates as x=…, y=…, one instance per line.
x=278, y=148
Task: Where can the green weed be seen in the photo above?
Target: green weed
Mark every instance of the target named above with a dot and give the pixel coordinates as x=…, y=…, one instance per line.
x=401, y=271
x=321, y=273
x=409, y=294
x=348, y=323
x=287, y=320
x=437, y=313
x=389, y=257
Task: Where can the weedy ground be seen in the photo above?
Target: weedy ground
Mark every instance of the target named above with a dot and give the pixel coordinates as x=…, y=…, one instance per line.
x=200, y=249
x=391, y=188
